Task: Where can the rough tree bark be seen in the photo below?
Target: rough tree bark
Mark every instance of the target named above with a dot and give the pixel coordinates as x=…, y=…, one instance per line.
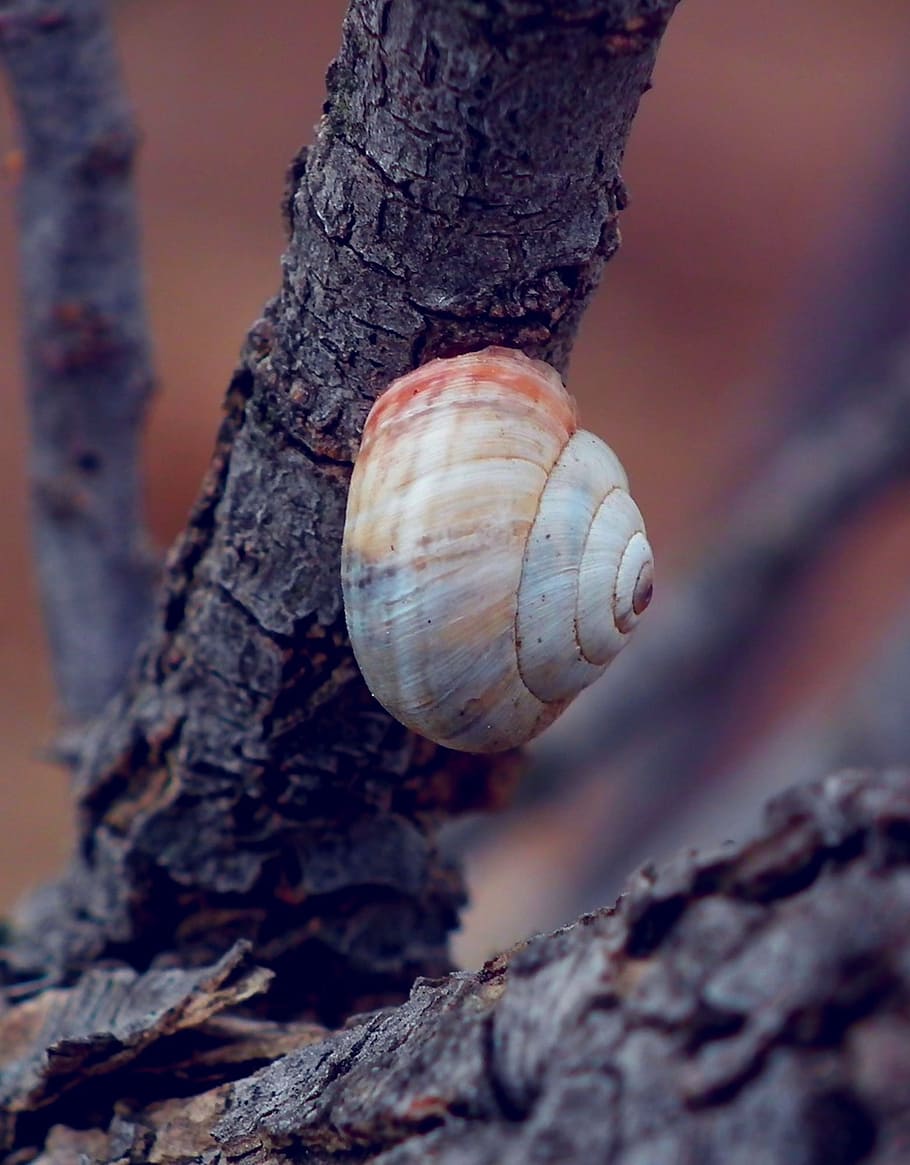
x=748, y=1005
x=243, y=784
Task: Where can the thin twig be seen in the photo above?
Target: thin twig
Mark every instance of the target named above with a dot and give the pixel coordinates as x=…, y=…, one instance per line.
x=86, y=347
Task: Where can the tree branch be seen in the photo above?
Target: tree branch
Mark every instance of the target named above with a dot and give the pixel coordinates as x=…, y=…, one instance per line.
x=746, y=1005
x=245, y=783
x=742, y=1005
x=868, y=726
x=86, y=349
x=820, y=476
x=837, y=444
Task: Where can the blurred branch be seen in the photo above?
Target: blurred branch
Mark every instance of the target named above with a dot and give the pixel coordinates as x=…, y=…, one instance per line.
x=244, y=783
x=875, y=724
x=704, y=641
x=678, y=695
x=678, y=689
x=844, y=334
x=841, y=403
x=86, y=349
x=868, y=725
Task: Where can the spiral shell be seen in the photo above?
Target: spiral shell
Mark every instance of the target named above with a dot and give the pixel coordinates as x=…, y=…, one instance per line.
x=493, y=561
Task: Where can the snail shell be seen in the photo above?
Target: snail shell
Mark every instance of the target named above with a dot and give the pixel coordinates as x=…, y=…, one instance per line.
x=493, y=561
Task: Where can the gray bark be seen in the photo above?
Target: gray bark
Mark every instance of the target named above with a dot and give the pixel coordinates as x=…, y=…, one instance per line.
x=749, y=1005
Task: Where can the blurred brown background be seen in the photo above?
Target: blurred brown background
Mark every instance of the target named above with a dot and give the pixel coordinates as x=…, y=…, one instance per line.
x=751, y=163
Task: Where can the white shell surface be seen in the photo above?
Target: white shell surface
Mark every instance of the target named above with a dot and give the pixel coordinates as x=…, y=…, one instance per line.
x=442, y=500
x=550, y=656
x=633, y=583
x=618, y=524
x=487, y=544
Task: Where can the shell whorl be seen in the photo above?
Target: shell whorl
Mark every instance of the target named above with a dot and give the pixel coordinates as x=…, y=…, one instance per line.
x=493, y=561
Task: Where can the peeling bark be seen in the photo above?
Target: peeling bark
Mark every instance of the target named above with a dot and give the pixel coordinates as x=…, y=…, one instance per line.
x=746, y=1005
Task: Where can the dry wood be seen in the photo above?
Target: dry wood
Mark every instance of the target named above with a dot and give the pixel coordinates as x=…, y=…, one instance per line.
x=746, y=1005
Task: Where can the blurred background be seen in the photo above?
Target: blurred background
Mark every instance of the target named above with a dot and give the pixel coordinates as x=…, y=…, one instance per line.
x=758, y=165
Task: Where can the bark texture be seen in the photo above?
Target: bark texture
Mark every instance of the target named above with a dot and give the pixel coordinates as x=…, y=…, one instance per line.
x=463, y=189
x=749, y=1005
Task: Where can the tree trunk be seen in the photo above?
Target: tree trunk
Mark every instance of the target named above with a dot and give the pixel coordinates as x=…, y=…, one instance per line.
x=463, y=189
